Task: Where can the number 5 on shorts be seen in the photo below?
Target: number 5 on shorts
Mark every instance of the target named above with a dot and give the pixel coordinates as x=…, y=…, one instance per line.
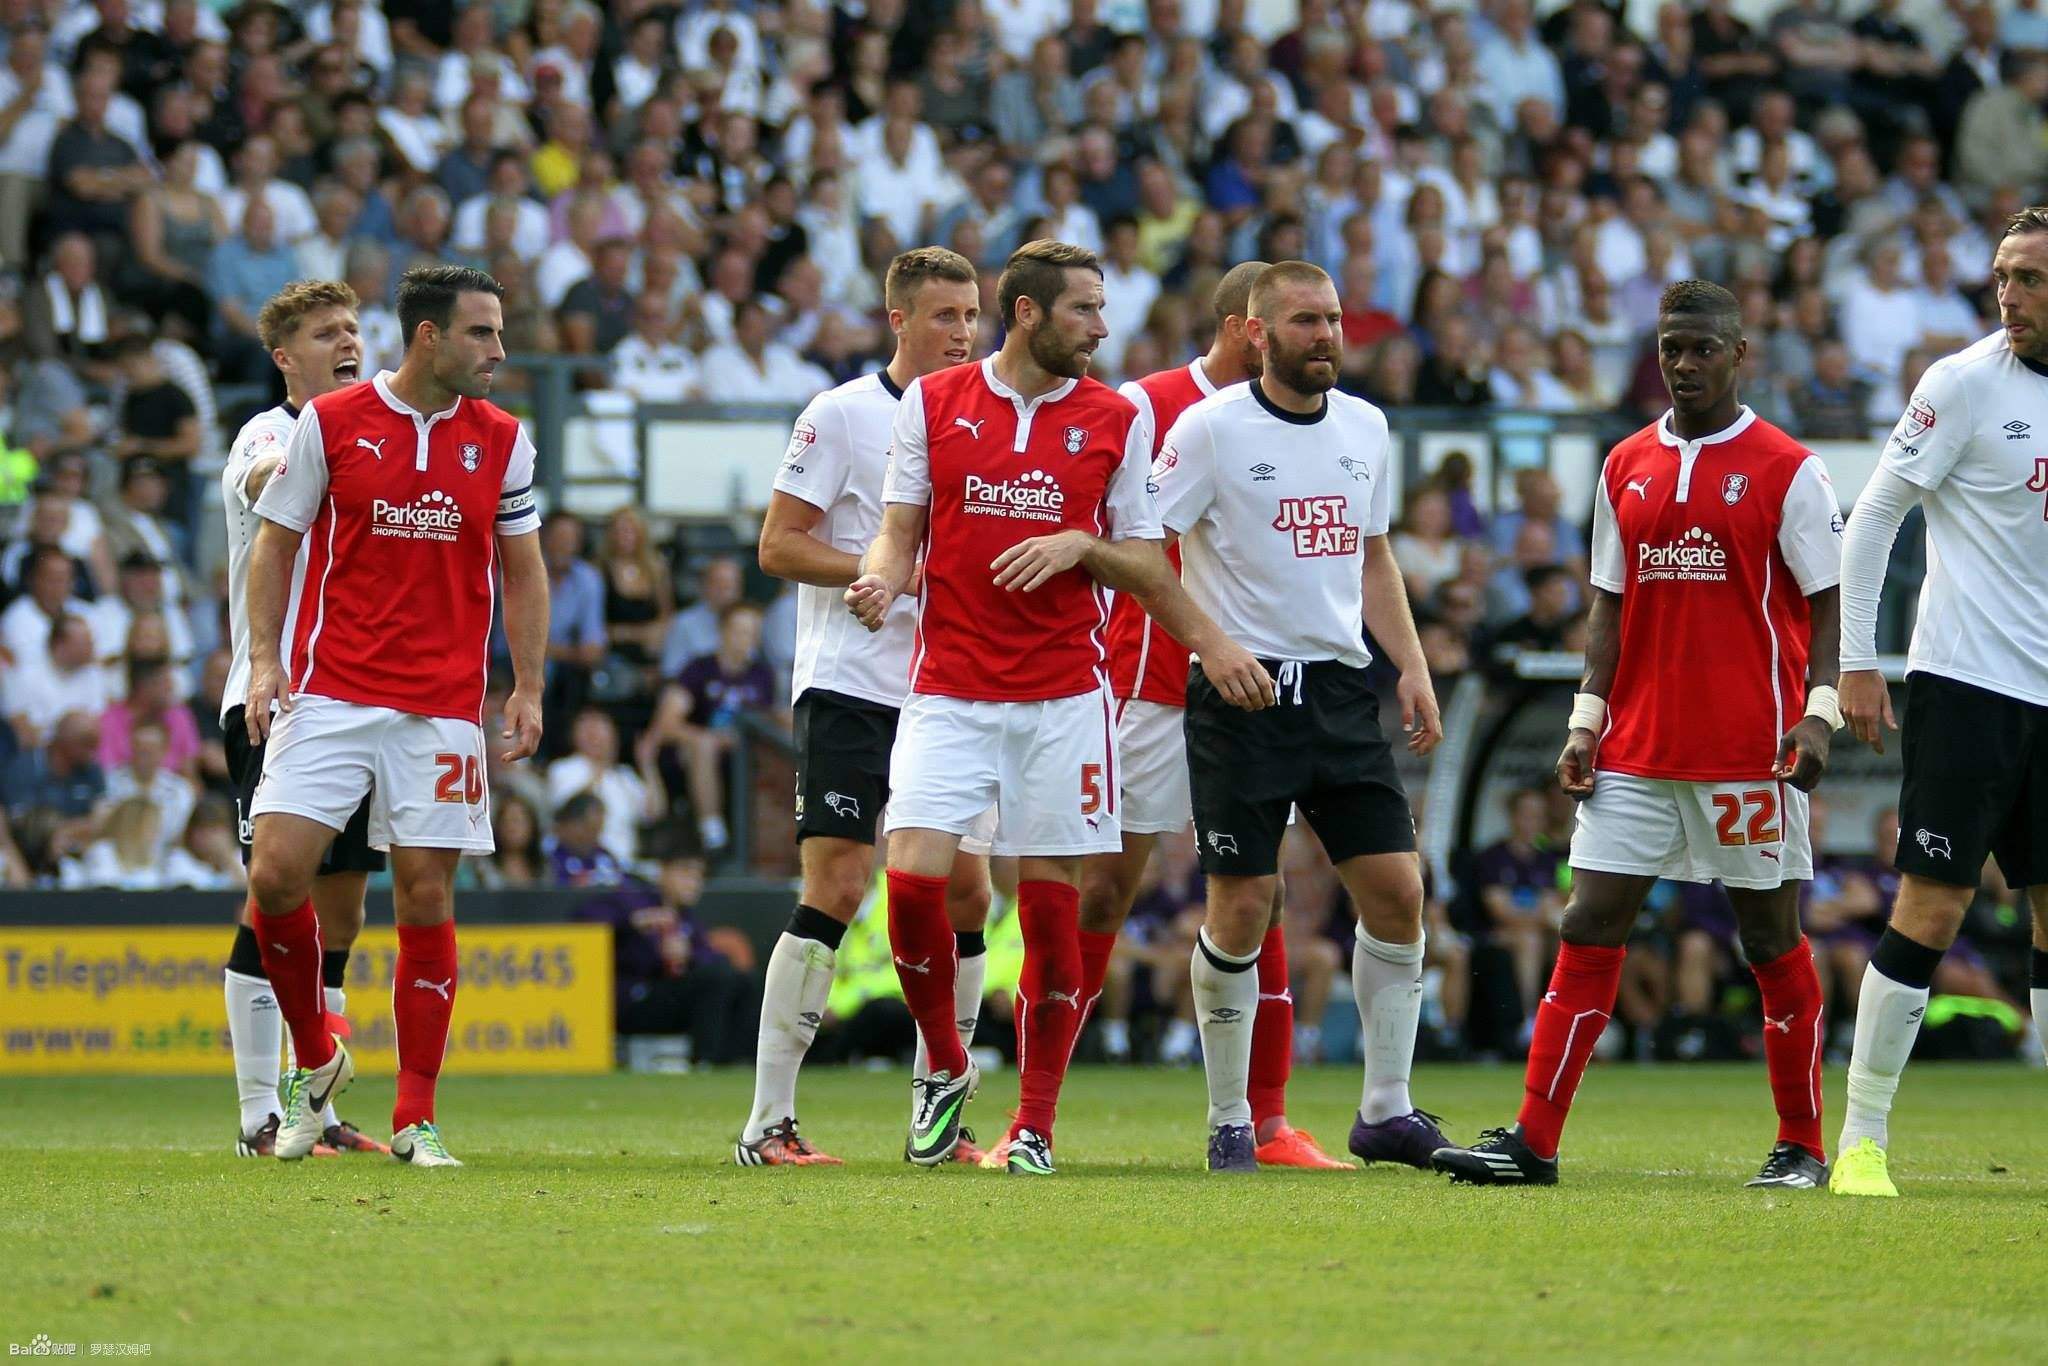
x=461, y=780
x=1091, y=789
x=1762, y=804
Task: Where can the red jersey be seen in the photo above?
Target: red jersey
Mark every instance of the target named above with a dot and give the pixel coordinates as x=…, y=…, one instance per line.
x=1144, y=661
x=995, y=469
x=1714, y=546
x=402, y=511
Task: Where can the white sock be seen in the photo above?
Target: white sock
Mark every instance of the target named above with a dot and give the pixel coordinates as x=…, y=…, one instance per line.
x=1226, y=1001
x=256, y=1034
x=793, y=996
x=1887, y=1021
x=1386, y=981
x=337, y=1004
x=2038, y=996
x=968, y=978
x=1116, y=1038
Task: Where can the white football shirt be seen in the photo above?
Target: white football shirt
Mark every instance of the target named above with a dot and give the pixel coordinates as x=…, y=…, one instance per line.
x=1972, y=441
x=267, y=433
x=837, y=455
x=1273, y=510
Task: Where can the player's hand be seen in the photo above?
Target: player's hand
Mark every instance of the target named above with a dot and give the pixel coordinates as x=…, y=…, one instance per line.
x=266, y=685
x=1419, y=715
x=1867, y=706
x=868, y=598
x=522, y=726
x=1803, y=753
x=1237, y=676
x=1028, y=564
x=1575, y=765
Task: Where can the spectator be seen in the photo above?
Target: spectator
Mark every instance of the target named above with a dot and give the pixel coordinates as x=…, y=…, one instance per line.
x=62, y=777
x=1534, y=547
x=597, y=311
x=210, y=856
x=1541, y=500
x=1519, y=378
x=1452, y=377
x=256, y=178
x=247, y=270
x=576, y=637
x=1879, y=316
x=145, y=775
x=93, y=171
x=650, y=363
x=594, y=767
x=65, y=677
x=35, y=100
x=68, y=314
x=1551, y=595
x=576, y=853
x=143, y=595
x=128, y=855
x=638, y=598
x=159, y=425
x=151, y=700
x=174, y=227
x=753, y=369
x=1128, y=292
x=711, y=693
x=694, y=631
x=1517, y=881
x=1834, y=402
x=519, y=861
x=1425, y=547
x=49, y=580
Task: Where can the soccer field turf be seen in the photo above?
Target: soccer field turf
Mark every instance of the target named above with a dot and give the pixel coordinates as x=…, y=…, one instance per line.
x=601, y=1218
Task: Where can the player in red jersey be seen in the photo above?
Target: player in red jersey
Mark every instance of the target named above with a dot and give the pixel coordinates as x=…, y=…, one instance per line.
x=1148, y=673
x=1714, y=624
x=1025, y=485
x=411, y=493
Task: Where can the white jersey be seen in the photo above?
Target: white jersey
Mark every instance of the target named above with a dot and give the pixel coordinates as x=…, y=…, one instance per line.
x=838, y=453
x=267, y=433
x=1972, y=441
x=1273, y=510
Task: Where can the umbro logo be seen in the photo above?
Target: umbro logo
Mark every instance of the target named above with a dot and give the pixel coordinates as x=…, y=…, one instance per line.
x=264, y=1002
x=375, y=448
x=2016, y=430
x=924, y=967
x=1224, y=1014
x=440, y=989
x=974, y=427
x=811, y=1018
x=1262, y=473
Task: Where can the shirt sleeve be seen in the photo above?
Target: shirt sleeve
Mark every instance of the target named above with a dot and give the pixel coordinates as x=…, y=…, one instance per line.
x=909, y=479
x=293, y=496
x=815, y=466
x=1609, y=568
x=1866, y=551
x=265, y=440
x=1184, y=475
x=1810, y=528
x=1379, y=503
x=1135, y=392
x=1930, y=438
x=1132, y=513
x=517, y=512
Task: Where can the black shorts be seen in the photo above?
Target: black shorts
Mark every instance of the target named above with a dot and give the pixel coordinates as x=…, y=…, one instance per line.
x=350, y=852
x=1976, y=783
x=842, y=764
x=1320, y=748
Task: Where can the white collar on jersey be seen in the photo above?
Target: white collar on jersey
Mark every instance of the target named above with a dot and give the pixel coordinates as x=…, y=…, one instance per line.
x=382, y=384
x=1201, y=376
x=1002, y=390
x=1727, y=433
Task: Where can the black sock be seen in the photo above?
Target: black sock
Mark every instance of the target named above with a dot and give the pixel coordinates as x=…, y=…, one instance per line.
x=334, y=967
x=970, y=943
x=2038, y=978
x=1906, y=961
x=808, y=922
x=245, y=958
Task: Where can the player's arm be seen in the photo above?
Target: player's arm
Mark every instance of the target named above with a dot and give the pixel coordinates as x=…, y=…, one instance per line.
x=1392, y=625
x=788, y=550
x=1589, y=708
x=886, y=569
x=1810, y=542
x=1866, y=700
x=271, y=557
x=526, y=634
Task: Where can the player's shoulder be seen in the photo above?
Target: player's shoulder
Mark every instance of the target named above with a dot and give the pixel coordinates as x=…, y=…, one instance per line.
x=1986, y=363
x=857, y=394
x=271, y=427
x=1090, y=393
x=962, y=379
x=1351, y=408
x=1174, y=383
x=488, y=416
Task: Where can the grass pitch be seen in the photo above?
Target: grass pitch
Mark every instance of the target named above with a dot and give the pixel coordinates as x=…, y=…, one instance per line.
x=601, y=1219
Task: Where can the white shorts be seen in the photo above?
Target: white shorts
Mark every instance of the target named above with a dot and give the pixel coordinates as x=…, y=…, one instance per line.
x=426, y=776
x=1152, y=749
x=1751, y=835
x=1052, y=763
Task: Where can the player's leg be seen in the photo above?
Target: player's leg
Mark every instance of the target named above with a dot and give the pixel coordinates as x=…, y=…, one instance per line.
x=423, y=989
x=1280, y=1144
x=338, y=904
x=969, y=894
x=2037, y=979
x=1386, y=983
x=255, y=1026
x=1223, y=978
x=1109, y=888
x=1779, y=955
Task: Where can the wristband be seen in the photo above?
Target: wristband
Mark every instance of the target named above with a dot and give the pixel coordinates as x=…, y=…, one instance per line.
x=1826, y=704
x=1589, y=712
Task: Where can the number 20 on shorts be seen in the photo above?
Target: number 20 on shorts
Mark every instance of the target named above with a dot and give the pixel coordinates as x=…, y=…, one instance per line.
x=461, y=780
x=1762, y=827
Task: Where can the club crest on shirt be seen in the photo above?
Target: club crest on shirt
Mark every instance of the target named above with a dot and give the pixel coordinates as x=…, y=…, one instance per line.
x=1076, y=439
x=472, y=456
x=1733, y=487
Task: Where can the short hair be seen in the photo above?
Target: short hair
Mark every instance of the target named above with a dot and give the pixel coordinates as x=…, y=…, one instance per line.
x=145, y=669
x=427, y=294
x=279, y=321
x=1702, y=299
x=1233, y=296
x=1277, y=277
x=2028, y=221
x=1038, y=271
x=579, y=807
x=910, y=269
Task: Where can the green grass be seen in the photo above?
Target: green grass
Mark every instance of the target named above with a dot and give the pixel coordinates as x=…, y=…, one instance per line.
x=600, y=1219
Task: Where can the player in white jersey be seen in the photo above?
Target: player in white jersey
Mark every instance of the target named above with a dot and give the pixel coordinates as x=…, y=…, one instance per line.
x=1976, y=725
x=1280, y=491
x=310, y=328
x=849, y=687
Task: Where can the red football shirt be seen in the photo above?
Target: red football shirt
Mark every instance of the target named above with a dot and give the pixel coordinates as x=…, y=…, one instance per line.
x=402, y=511
x=995, y=469
x=1144, y=661
x=1714, y=546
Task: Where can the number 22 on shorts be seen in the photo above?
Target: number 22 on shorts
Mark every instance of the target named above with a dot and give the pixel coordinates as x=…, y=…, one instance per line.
x=461, y=780
x=1761, y=804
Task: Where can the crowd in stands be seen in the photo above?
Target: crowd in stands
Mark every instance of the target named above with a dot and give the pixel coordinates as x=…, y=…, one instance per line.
x=701, y=197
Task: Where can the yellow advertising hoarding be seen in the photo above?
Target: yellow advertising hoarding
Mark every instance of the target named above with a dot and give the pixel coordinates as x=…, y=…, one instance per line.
x=147, y=999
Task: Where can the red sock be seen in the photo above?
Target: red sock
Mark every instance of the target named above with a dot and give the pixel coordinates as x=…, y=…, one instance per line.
x=922, y=941
x=422, y=1002
x=1792, y=1044
x=1095, y=952
x=290, y=945
x=1272, y=1034
x=1568, y=1024
x=1049, y=998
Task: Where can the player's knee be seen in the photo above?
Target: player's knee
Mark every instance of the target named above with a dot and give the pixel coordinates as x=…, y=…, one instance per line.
x=1102, y=902
x=1767, y=943
x=1588, y=922
x=276, y=886
x=423, y=898
x=967, y=905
